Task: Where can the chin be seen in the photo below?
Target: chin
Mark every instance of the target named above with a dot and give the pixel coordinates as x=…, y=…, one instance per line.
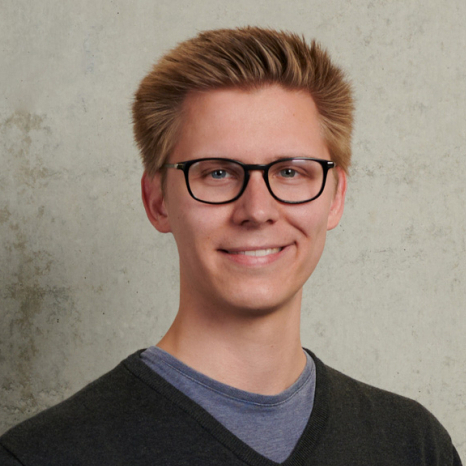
x=259, y=303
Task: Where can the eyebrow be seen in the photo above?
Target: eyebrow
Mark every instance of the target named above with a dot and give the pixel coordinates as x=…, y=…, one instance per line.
x=269, y=160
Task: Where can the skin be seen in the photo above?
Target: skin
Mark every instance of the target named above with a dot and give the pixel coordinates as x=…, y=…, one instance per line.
x=239, y=315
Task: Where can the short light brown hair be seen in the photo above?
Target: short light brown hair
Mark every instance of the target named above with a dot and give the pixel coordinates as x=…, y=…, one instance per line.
x=247, y=58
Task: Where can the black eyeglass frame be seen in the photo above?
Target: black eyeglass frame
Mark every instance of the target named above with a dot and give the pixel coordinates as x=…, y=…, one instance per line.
x=184, y=166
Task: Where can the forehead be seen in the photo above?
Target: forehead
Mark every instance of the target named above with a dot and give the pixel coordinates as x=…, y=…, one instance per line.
x=253, y=126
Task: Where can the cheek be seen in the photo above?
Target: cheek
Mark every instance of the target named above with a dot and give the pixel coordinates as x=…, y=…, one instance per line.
x=312, y=224
x=194, y=228
x=311, y=219
x=314, y=246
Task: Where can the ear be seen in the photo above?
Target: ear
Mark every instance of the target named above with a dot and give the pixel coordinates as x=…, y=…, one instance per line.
x=338, y=202
x=154, y=202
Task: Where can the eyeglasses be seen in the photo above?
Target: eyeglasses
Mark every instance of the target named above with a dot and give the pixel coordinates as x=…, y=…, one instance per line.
x=220, y=181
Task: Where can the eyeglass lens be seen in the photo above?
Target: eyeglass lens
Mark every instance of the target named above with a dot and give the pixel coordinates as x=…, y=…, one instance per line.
x=219, y=180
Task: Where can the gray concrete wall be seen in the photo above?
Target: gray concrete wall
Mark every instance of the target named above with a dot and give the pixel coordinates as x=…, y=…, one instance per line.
x=85, y=279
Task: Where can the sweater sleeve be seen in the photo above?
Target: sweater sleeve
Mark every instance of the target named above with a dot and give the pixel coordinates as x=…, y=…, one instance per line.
x=456, y=458
x=7, y=459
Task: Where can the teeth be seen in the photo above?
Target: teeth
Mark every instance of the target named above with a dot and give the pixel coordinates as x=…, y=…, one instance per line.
x=259, y=252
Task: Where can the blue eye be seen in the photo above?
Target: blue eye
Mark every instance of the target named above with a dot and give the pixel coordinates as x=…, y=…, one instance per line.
x=219, y=174
x=288, y=173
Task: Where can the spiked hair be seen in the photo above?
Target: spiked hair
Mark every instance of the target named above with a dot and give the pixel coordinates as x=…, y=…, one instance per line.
x=247, y=58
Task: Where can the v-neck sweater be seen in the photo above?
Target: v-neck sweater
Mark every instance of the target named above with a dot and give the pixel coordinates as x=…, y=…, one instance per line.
x=132, y=416
x=270, y=424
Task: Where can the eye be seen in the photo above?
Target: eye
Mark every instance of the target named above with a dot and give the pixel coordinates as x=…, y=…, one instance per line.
x=215, y=172
x=219, y=174
x=288, y=173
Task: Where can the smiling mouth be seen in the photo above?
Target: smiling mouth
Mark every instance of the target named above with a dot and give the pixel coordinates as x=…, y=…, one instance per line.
x=257, y=252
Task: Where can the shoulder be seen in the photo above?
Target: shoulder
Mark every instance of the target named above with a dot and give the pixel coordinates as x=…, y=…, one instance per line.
x=102, y=417
x=104, y=394
x=360, y=399
x=377, y=420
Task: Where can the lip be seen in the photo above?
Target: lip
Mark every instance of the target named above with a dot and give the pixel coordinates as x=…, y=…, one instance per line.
x=254, y=256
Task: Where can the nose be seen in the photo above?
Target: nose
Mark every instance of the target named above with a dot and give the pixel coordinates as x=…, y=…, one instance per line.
x=256, y=206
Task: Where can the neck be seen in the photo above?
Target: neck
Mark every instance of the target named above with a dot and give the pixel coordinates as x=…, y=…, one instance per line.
x=256, y=353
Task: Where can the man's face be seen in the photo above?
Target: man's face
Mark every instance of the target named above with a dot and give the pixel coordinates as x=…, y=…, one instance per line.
x=218, y=266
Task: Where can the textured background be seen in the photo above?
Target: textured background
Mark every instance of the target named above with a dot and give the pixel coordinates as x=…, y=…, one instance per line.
x=85, y=279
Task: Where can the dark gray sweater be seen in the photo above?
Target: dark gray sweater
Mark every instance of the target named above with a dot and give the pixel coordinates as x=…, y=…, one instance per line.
x=132, y=416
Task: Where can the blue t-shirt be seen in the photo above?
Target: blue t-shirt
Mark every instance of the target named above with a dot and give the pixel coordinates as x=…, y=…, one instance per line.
x=271, y=425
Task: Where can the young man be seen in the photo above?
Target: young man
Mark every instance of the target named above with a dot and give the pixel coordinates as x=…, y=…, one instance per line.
x=245, y=136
